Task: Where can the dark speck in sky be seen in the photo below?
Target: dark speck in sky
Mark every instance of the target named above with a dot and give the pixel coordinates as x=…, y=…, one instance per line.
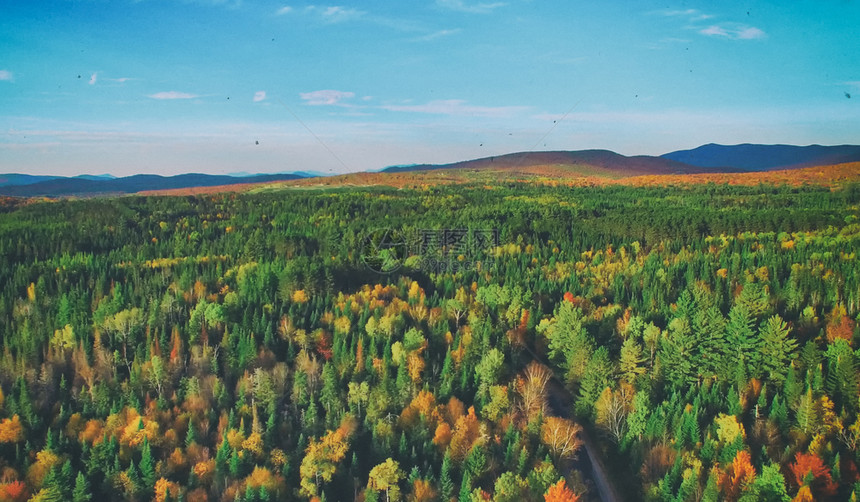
x=848, y=95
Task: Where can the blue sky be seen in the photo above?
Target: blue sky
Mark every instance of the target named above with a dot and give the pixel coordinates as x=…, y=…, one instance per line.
x=221, y=86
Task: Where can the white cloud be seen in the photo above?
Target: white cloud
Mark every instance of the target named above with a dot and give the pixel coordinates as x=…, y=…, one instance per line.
x=456, y=107
x=325, y=97
x=438, y=34
x=173, y=95
x=93, y=78
x=283, y=10
x=677, y=13
x=733, y=31
x=6, y=75
x=691, y=15
x=750, y=33
x=259, y=96
x=477, y=8
x=714, y=31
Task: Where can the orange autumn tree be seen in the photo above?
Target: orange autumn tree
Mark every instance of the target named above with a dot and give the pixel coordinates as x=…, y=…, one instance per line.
x=559, y=492
x=839, y=325
x=738, y=476
x=466, y=432
x=809, y=471
x=422, y=407
x=423, y=491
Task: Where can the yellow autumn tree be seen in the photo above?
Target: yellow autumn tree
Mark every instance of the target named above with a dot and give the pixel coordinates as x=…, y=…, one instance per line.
x=11, y=430
x=165, y=489
x=322, y=457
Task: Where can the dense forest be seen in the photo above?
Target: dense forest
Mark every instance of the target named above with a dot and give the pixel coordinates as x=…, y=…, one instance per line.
x=249, y=346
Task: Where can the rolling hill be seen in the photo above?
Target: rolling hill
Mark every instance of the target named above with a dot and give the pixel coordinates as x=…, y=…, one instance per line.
x=566, y=163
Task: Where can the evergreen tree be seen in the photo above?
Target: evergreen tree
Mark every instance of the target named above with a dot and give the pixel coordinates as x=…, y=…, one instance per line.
x=777, y=349
x=81, y=492
x=147, y=467
x=745, y=356
x=446, y=484
x=676, y=352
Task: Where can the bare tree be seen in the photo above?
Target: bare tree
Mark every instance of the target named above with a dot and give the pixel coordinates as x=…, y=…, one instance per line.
x=531, y=386
x=561, y=436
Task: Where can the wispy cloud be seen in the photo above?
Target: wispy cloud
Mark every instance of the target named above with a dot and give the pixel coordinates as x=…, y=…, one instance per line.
x=690, y=15
x=694, y=18
x=325, y=97
x=473, y=8
x=93, y=78
x=121, y=80
x=232, y=4
x=733, y=31
x=173, y=95
x=438, y=34
x=457, y=107
x=335, y=13
x=6, y=75
x=259, y=96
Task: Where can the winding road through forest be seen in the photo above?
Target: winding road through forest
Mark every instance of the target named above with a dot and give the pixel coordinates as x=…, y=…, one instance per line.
x=561, y=403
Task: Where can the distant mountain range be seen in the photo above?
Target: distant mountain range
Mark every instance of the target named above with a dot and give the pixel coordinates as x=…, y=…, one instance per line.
x=749, y=157
x=23, y=185
x=29, y=179
x=591, y=164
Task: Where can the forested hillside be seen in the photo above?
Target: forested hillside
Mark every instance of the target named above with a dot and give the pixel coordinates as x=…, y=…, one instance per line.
x=309, y=344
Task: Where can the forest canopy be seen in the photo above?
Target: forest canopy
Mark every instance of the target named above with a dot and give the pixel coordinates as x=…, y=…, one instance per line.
x=248, y=346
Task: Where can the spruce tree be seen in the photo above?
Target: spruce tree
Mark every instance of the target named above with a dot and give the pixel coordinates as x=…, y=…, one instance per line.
x=446, y=485
x=147, y=467
x=81, y=492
